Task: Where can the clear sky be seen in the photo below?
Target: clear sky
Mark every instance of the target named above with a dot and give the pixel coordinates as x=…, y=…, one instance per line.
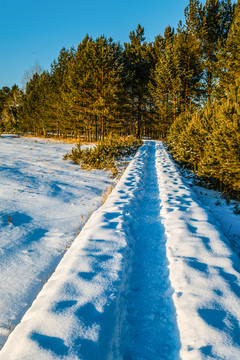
x=35, y=31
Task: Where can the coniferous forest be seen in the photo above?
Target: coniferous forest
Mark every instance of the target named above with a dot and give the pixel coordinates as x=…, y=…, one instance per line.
x=184, y=88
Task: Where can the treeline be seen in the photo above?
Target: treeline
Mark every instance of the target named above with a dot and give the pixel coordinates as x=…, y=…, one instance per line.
x=183, y=87
x=97, y=89
x=207, y=138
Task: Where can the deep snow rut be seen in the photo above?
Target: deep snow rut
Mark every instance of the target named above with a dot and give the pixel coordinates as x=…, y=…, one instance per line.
x=149, y=330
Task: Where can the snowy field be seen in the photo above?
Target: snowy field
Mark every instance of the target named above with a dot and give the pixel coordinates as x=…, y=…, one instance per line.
x=44, y=202
x=151, y=276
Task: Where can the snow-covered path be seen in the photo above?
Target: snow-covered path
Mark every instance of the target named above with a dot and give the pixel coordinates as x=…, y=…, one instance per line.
x=150, y=276
x=150, y=328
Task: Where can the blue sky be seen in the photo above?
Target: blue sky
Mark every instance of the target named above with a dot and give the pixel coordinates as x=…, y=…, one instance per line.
x=34, y=32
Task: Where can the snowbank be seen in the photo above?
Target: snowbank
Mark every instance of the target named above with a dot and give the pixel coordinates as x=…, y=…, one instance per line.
x=204, y=271
x=74, y=315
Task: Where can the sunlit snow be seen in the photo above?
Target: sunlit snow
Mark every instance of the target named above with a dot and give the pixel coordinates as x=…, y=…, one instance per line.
x=150, y=276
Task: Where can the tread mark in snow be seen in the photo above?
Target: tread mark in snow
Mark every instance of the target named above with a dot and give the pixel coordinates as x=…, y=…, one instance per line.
x=53, y=344
x=148, y=332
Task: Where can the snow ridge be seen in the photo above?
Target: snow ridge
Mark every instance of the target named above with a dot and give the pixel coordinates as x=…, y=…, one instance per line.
x=73, y=316
x=204, y=271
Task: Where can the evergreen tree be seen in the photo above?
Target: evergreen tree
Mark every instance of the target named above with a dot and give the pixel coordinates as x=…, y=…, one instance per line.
x=229, y=55
x=222, y=151
x=176, y=132
x=190, y=56
x=192, y=14
x=57, y=98
x=191, y=140
x=44, y=91
x=166, y=82
x=94, y=86
x=78, y=88
x=30, y=110
x=11, y=109
x=3, y=99
x=138, y=63
x=216, y=17
x=108, y=87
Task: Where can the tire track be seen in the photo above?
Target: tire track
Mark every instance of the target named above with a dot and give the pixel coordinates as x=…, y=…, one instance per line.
x=149, y=330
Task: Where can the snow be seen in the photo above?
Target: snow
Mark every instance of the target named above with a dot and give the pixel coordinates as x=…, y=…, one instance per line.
x=150, y=276
x=224, y=211
x=204, y=271
x=47, y=200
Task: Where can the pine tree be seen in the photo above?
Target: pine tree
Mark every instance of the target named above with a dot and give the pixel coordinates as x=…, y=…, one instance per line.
x=189, y=48
x=216, y=18
x=229, y=55
x=192, y=15
x=166, y=82
x=3, y=98
x=108, y=87
x=79, y=88
x=11, y=109
x=192, y=140
x=222, y=150
x=95, y=87
x=57, y=99
x=30, y=109
x=138, y=63
x=176, y=133
x=46, y=118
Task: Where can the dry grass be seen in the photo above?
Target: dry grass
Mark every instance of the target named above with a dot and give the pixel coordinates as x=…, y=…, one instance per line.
x=106, y=194
x=62, y=140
